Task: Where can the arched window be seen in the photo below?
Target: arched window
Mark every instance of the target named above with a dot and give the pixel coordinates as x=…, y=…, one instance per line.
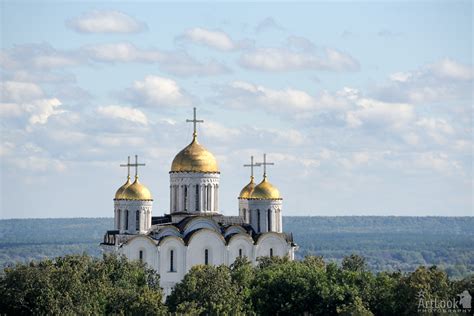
x=197, y=198
x=269, y=220
x=240, y=252
x=137, y=220
x=172, y=261
x=245, y=215
x=140, y=255
x=126, y=219
x=271, y=252
x=258, y=220
x=206, y=256
x=185, y=198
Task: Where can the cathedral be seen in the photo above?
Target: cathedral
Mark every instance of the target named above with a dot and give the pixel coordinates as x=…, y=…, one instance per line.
x=195, y=232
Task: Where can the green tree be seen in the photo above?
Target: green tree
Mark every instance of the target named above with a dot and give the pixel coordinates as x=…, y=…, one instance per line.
x=206, y=290
x=80, y=284
x=354, y=263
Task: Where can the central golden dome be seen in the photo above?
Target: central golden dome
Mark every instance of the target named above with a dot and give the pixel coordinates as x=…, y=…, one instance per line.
x=194, y=158
x=136, y=191
x=265, y=191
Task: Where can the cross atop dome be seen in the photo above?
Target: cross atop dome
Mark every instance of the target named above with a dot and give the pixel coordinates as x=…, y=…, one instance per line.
x=128, y=167
x=265, y=164
x=251, y=165
x=194, y=121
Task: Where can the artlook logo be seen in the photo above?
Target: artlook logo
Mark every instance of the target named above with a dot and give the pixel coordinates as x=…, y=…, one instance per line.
x=455, y=305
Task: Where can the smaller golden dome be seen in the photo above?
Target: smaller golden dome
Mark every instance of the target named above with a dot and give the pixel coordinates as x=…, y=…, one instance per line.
x=119, y=193
x=247, y=190
x=136, y=191
x=265, y=191
x=194, y=158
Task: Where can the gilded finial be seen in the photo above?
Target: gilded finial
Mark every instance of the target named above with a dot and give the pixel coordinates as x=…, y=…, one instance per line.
x=251, y=165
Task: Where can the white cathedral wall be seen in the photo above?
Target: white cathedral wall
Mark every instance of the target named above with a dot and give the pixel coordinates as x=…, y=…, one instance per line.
x=169, y=278
x=183, y=192
x=142, y=243
x=243, y=242
x=205, y=239
x=272, y=241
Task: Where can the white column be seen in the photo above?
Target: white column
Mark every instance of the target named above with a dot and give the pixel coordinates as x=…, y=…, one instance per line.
x=171, y=199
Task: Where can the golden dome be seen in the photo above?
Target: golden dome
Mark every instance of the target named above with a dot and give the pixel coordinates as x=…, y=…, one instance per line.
x=136, y=191
x=194, y=158
x=247, y=190
x=265, y=191
x=119, y=193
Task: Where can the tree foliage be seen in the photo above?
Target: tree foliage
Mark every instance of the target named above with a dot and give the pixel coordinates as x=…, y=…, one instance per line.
x=81, y=284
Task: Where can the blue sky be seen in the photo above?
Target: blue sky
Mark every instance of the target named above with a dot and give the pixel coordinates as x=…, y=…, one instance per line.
x=365, y=107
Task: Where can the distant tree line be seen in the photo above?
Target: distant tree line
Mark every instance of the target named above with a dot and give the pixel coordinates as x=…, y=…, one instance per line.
x=388, y=243
x=80, y=284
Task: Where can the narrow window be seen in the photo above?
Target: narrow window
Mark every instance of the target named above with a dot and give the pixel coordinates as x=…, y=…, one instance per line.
x=269, y=220
x=271, y=252
x=126, y=220
x=209, y=197
x=140, y=255
x=172, y=261
x=258, y=220
x=137, y=221
x=206, y=257
x=245, y=215
x=240, y=252
x=118, y=219
x=197, y=198
x=185, y=198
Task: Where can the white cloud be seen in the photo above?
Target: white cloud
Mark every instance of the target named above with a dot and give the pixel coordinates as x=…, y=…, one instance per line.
x=20, y=98
x=124, y=113
x=158, y=91
x=374, y=112
x=15, y=91
x=444, y=80
x=436, y=128
x=451, y=69
x=42, y=109
x=104, y=21
x=214, y=39
x=241, y=94
x=220, y=132
x=438, y=161
x=298, y=54
x=177, y=63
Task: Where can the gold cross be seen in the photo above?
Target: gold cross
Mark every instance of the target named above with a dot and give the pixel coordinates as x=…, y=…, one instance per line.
x=194, y=121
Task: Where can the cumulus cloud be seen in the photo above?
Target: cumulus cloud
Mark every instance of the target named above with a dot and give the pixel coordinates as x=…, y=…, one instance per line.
x=444, y=80
x=37, y=57
x=376, y=113
x=105, y=21
x=215, y=39
x=124, y=113
x=16, y=91
x=242, y=94
x=158, y=92
x=19, y=98
x=43, y=63
x=298, y=54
